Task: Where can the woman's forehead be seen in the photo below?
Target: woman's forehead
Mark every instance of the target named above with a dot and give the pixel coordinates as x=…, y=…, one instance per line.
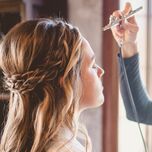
x=87, y=50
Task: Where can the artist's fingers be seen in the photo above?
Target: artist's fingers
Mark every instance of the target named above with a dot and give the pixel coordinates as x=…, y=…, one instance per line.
x=118, y=37
x=117, y=14
x=118, y=29
x=132, y=20
x=126, y=10
x=119, y=33
x=131, y=27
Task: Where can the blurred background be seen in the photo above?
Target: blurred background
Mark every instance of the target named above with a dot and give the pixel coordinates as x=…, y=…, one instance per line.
x=108, y=127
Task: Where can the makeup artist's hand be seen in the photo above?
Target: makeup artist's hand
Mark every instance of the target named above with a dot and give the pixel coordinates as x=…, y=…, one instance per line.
x=127, y=31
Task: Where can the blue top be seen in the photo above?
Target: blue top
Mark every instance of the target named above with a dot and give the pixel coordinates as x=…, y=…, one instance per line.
x=141, y=100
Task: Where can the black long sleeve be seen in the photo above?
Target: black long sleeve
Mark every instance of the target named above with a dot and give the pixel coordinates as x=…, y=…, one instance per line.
x=141, y=99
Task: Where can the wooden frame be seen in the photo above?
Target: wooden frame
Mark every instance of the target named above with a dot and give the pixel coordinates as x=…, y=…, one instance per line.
x=13, y=6
x=110, y=82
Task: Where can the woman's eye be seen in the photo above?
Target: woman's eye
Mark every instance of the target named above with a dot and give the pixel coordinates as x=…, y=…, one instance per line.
x=94, y=66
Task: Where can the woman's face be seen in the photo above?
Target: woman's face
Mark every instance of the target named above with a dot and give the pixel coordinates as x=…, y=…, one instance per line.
x=91, y=73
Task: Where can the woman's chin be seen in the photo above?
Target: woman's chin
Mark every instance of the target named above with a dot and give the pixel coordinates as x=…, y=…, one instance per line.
x=100, y=101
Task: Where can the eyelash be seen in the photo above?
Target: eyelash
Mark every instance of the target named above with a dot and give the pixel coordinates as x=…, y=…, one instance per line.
x=94, y=66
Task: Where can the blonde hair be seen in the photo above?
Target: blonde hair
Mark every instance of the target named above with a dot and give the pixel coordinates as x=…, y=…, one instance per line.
x=41, y=62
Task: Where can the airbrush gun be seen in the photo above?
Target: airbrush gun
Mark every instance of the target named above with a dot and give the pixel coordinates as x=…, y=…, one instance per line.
x=114, y=21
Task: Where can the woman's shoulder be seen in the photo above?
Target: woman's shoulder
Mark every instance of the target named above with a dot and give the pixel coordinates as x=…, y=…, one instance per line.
x=66, y=143
x=63, y=146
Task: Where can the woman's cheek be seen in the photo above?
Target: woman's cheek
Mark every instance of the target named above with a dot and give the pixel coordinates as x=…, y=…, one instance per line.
x=90, y=87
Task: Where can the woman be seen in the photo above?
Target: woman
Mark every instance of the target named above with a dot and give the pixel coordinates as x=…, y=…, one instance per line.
x=50, y=70
x=127, y=31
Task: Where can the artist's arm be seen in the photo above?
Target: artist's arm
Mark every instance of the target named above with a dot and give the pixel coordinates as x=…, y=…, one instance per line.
x=141, y=100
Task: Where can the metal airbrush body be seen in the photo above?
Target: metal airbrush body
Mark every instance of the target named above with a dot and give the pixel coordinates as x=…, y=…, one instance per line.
x=114, y=21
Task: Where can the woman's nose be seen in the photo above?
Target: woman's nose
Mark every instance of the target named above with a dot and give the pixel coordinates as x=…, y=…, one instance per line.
x=100, y=72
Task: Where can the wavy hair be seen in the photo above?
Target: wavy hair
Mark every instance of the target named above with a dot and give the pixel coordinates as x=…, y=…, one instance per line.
x=41, y=62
